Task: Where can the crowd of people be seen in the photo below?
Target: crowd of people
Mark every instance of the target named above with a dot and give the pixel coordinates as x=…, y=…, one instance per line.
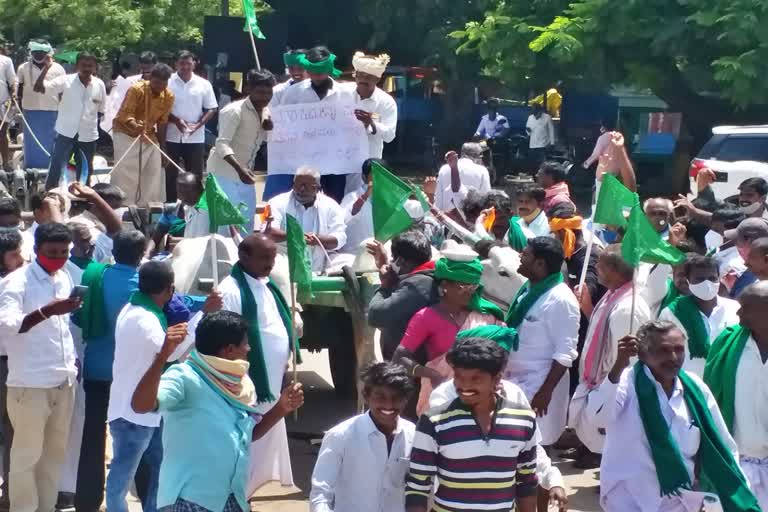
x=501, y=324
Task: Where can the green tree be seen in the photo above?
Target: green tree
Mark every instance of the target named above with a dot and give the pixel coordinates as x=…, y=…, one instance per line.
x=703, y=57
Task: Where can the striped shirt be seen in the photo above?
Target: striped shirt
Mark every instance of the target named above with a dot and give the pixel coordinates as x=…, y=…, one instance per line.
x=474, y=471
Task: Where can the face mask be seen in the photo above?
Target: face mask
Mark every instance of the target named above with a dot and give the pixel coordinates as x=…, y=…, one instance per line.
x=713, y=240
x=705, y=290
x=610, y=236
x=51, y=265
x=750, y=209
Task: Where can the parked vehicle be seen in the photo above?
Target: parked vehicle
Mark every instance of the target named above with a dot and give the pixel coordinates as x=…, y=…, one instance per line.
x=735, y=153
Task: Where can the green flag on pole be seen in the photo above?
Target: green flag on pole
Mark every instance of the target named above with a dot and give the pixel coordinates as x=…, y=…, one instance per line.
x=387, y=202
x=251, y=23
x=642, y=243
x=299, y=267
x=613, y=201
x=221, y=212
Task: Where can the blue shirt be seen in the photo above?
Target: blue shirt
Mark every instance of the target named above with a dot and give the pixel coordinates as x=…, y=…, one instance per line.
x=120, y=281
x=744, y=280
x=206, y=442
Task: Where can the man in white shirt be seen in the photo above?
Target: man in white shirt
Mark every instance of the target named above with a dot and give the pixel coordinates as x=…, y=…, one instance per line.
x=140, y=332
x=321, y=218
x=194, y=104
x=320, y=88
x=541, y=133
x=741, y=388
x=296, y=73
x=652, y=277
x=680, y=419
x=270, y=351
x=243, y=126
x=460, y=175
x=532, y=219
x=8, y=84
x=375, y=108
x=40, y=109
x=492, y=125
x=35, y=304
x=701, y=314
x=358, y=215
x=363, y=461
x=546, y=315
x=616, y=315
x=83, y=98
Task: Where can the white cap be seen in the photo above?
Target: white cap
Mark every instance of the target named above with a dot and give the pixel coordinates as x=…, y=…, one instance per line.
x=372, y=65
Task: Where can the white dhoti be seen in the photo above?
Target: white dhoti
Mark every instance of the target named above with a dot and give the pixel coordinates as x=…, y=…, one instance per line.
x=585, y=404
x=270, y=460
x=552, y=424
x=140, y=187
x=756, y=471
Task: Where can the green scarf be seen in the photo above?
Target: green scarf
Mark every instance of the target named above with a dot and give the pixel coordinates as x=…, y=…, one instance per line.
x=145, y=301
x=505, y=337
x=719, y=471
x=469, y=272
x=720, y=371
x=672, y=294
x=515, y=236
x=177, y=227
x=324, y=67
x=92, y=316
x=686, y=310
x=258, y=367
x=292, y=59
x=527, y=296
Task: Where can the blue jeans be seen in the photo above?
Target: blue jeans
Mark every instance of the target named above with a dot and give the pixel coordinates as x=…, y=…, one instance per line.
x=63, y=148
x=132, y=444
x=275, y=185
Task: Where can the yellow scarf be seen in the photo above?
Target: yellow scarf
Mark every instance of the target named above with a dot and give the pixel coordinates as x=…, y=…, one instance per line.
x=569, y=237
x=229, y=378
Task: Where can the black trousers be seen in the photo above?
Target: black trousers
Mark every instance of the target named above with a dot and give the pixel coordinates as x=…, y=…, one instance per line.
x=190, y=157
x=90, y=471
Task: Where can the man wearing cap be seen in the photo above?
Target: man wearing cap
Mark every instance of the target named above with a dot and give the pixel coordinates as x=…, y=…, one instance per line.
x=296, y=73
x=321, y=87
x=737, y=279
x=40, y=108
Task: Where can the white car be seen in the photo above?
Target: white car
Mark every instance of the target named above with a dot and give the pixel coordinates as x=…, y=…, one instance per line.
x=735, y=153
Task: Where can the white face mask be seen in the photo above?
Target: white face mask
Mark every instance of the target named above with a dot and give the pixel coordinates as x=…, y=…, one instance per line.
x=394, y=265
x=705, y=290
x=713, y=239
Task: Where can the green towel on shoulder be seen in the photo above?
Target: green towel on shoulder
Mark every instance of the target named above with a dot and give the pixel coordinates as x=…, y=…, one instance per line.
x=92, y=314
x=686, y=310
x=722, y=364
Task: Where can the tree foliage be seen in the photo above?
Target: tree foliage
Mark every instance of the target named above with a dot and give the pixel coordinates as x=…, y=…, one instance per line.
x=704, y=57
x=107, y=26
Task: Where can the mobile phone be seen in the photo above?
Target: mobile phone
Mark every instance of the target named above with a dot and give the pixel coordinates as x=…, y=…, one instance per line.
x=205, y=285
x=78, y=291
x=721, y=177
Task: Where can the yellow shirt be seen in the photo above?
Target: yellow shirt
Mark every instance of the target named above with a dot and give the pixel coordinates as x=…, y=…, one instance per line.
x=142, y=106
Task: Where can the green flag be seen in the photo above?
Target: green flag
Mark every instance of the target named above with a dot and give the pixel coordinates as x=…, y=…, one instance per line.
x=251, y=23
x=299, y=267
x=220, y=211
x=387, y=199
x=642, y=243
x=614, y=199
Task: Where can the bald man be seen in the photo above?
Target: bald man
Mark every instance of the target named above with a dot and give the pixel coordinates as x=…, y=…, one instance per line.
x=652, y=279
x=741, y=389
x=757, y=262
x=250, y=292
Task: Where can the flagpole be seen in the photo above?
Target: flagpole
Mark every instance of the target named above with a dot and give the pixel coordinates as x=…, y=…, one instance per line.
x=584, y=268
x=295, y=350
x=214, y=260
x=632, y=309
x=253, y=45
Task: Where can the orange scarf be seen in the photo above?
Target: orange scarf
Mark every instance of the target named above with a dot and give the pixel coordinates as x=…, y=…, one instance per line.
x=569, y=237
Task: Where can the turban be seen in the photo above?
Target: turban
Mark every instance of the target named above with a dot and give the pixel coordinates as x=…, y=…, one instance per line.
x=371, y=65
x=292, y=59
x=34, y=46
x=469, y=272
x=505, y=337
x=324, y=67
x=568, y=226
x=515, y=236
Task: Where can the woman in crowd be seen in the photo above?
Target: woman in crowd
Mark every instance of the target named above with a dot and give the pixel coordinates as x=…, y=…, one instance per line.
x=460, y=307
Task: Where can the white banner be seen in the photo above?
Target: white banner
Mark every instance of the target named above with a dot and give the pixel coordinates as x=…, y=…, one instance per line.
x=326, y=136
